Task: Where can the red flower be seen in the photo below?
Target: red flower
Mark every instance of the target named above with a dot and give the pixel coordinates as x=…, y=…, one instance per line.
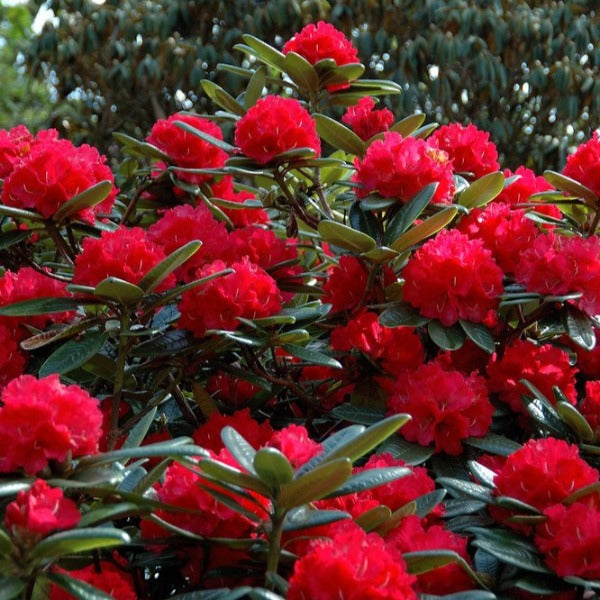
x=365, y=121
x=445, y=406
x=506, y=232
x=544, y=366
x=208, y=435
x=248, y=292
x=398, y=167
x=48, y=418
x=187, y=150
x=54, y=172
x=469, y=148
x=240, y=217
x=293, y=441
x=584, y=164
x=412, y=536
x=184, y=224
x=16, y=143
x=570, y=538
x=275, y=125
x=28, y=284
x=452, y=277
x=398, y=348
x=321, y=41
x=232, y=391
x=353, y=565
x=40, y=510
x=590, y=406
x=544, y=472
x=107, y=578
x=556, y=264
x=466, y=359
x=126, y=253
x=12, y=359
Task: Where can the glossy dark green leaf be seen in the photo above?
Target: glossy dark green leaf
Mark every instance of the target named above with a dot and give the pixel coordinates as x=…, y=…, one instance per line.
x=206, y=137
x=108, y=513
x=342, y=74
x=371, y=478
x=339, y=136
x=316, y=483
x=411, y=454
x=357, y=414
x=5, y=543
x=479, y=334
x=119, y=290
x=86, y=199
x=362, y=221
x=447, y=338
x=11, y=588
x=166, y=266
x=40, y=306
x=312, y=356
x=466, y=488
x=139, y=148
x=77, y=588
x=273, y=468
x=20, y=214
x=222, y=98
x=9, y=238
x=304, y=517
x=566, y=184
x=494, y=444
x=579, y=327
x=75, y=541
x=515, y=505
x=575, y=420
x=482, y=191
x=402, y=315
x=423, y=230
x=346, y=237
x=482, y=474
x=240, y=449
x=73, y=354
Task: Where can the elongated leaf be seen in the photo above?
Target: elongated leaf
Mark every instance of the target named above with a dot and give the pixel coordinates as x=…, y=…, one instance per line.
x=480, y=335
x=494, y=444
x=316, y=484
x=369, y=438
x=312, y=356
x=255, y=87
x=579, y=327
x=482, y=474
x=575, y=420
x=77, y=588
x=20, y=214
x=447, y=338
x=371, y=478
x=266, y=53
x=108, y=513
x=406, y=216
x=240, y=449
x=466, y=488
x=339, y=136
x=482, y=191
x=5, y=543
x=402, y=315
x=40, y=306
x=222, y=98
x=139, y=148
x=372, y=519
x=206, y=137
x=54, y=335
x=119, y=290
x=79, y=540
x=301, y=72
x=140, y=429
x=86, y=199
x=362, y=221
x=409, y=125
x=73, y=354
x=411, y=454
x=424, y=230
x=165, y=267
x=222, y=472
x=566, y=184
x=273, y=467
x=11, y=588
x=357, y=414
x=9, y=238
x=304, y=517
x=341, y=74
x=346, y=237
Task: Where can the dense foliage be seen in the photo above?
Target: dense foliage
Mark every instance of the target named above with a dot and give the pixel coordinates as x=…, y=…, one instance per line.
x=282, y=354
x=525, y=71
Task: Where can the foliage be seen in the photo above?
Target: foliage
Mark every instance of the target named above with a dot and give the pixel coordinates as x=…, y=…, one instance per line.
x=270, y=358
x=526, y=72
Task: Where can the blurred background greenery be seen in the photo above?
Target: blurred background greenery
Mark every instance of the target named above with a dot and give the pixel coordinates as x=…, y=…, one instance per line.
x=525, y=71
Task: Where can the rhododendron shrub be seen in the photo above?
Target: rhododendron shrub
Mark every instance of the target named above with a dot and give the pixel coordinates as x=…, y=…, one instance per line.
x=297, y=346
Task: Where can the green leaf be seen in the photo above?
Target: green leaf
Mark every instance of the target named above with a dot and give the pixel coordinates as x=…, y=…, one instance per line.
x=301, y=72
x=206, y=137
x=140, y=429
x=368, y=439
x=273, y=467
x=411, y=454
x=516, y=505
x=342, y=74
x=54, y=335
x=357, y=414
x=316, y=483
x=494, y=444
x=5, y=543
x=482, y=191
x=373, y=518
x=239, y=448
x=447, y=338
x=509, y=548
x=266, y=53
x=346, y=237
x=374, y=203
x=222, y=98
x=427, y=502
x=312, y=356
x=339, y=136
x=479, y=334
x=566, y=184
x=466, y=488
x=222, y=472
x=19, y=213
x=87, y=199
x=78, y=540
x=119, y=290
x=579, y=327
x=482, y=474
x=406, y=216
x=424, y=131
x=108, y=513
x=402, y=315
x=380, y=255
x=166, y=266
x=362, y=221
x=77, y=588
x=139, y=148
x=575, y=420
x=255, y=87
x=73, y=354
x=409, y=125
x=424, y=230
x=9, y=238
x=40, y=306
x=371, y=478
x=304, y=517
x=424, y=561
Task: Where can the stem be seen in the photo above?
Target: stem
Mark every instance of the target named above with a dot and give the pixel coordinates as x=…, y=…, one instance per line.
x=322, y=200
x=296, y=206
x=594, y=224
x=119, y=379
x=277, y=519
x=62, y=247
